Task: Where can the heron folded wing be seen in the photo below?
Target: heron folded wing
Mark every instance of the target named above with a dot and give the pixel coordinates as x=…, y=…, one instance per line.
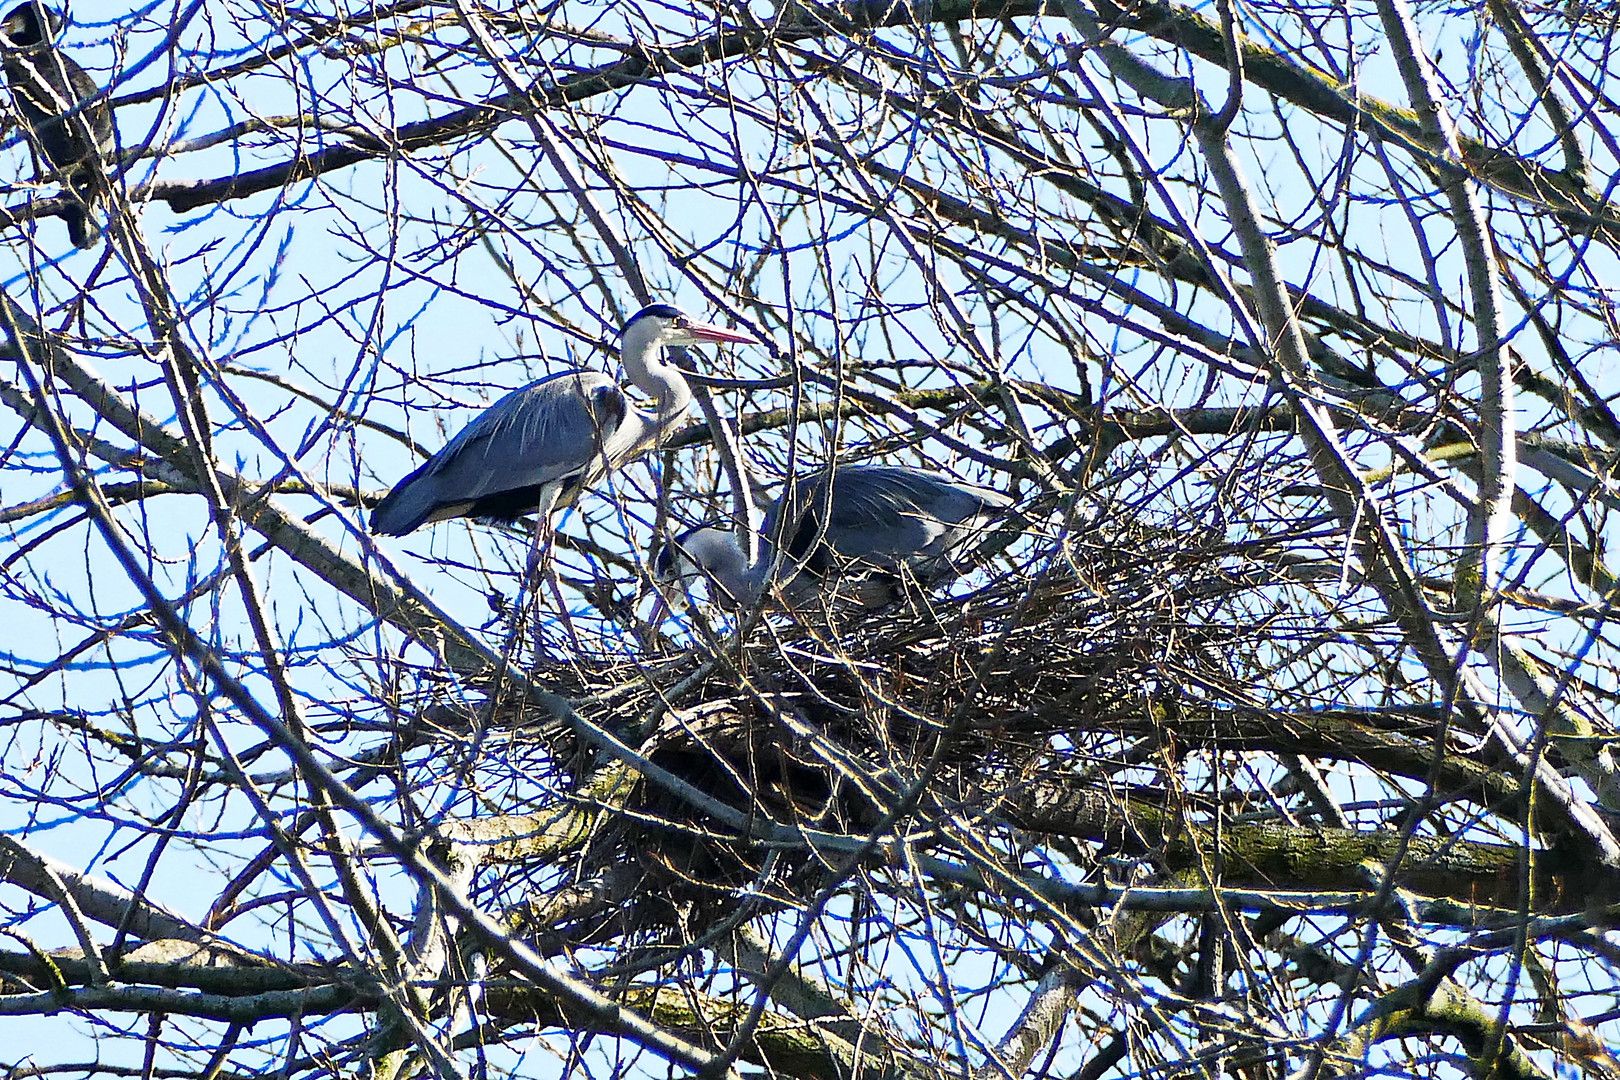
x=545, y=433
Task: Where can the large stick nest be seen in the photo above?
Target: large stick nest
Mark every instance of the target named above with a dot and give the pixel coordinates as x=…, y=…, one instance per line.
x=822, y=716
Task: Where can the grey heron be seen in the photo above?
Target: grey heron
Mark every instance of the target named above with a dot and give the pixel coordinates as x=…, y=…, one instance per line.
x=893, y=519
x=547, y=441
x=69, y=126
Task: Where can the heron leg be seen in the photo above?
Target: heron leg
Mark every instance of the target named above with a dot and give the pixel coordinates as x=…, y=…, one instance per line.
x=563, y=617
x=542, y=567
x=538, y=567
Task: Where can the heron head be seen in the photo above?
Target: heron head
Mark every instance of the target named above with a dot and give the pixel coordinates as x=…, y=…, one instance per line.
x=706, y=552
x=660, y=324
x=30, y=23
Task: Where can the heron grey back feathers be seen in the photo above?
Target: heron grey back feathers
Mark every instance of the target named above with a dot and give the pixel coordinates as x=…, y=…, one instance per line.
x=887, y=523
x=551, y=432
x=891, y=516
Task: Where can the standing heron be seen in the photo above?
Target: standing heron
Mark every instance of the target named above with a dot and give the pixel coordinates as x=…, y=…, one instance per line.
x=546, y=442
x=69, y=126
x=893, y=519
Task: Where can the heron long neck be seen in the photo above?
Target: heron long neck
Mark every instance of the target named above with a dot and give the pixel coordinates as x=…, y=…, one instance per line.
x=647, y=367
